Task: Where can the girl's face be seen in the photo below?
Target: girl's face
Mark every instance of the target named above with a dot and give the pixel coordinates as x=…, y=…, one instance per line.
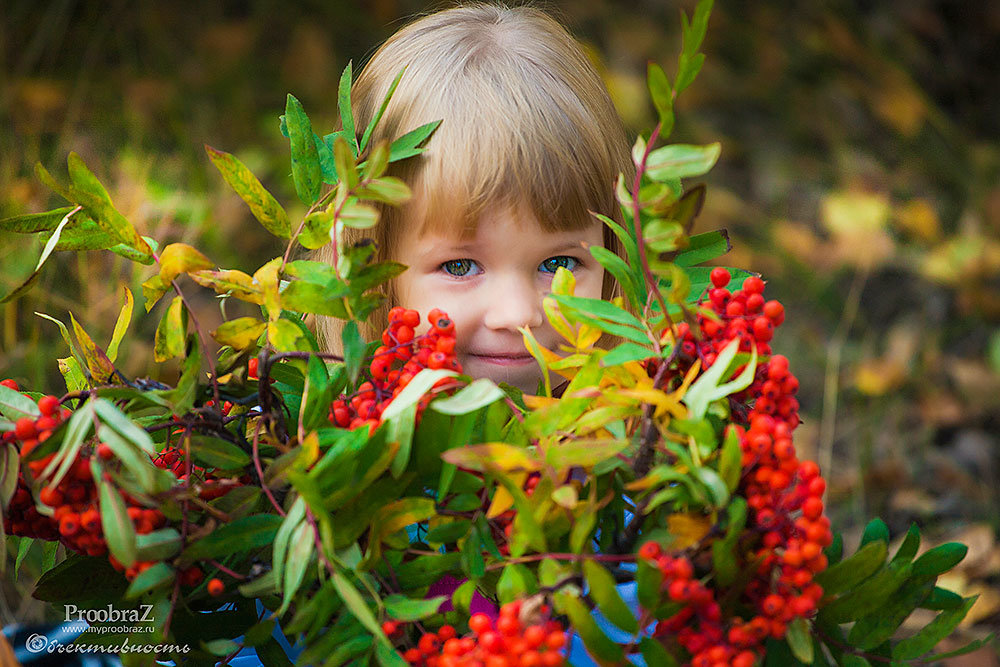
x=494, y=284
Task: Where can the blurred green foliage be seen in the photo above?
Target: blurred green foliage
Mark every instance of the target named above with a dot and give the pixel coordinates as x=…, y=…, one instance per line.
x=860, y=174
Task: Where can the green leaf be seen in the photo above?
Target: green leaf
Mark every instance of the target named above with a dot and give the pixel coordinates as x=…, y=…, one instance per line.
x=217, y=453
x=875, y=530
x=941, y=599
x=381, y=110
x=911, y=544
x=655, y=654
x=388, y=190
x=731, y=460
x=158, y=545
x=358, y=607
x=356, y=215
x=799, y=640
x=250, y=532
x=316, y=230
x=617, y=267
x=848, y=573
x=262, y=203
x=940, y=559
x=604, y=592
x=411, y=143
x=478, y=394
x=306, y=171
x=32, y=223
x=344, y=105
x=931, y=634
x=709, y=386
x=662, y=96
x=448, y=533
x=515, y=582
x=724, y=550
x=598, y=644
x=868, y=596
x=354, y=350
x=968, y=648
x=624, y=353
x=87, y=191
x=880, y=625
x=648, y=579
x=159, y=575
x=119, y=532
x=284, y=335
x=300, y=553
x=704, y=247
x=15, y=405
x=402, y=608
x=681, y=161
x=171, y=333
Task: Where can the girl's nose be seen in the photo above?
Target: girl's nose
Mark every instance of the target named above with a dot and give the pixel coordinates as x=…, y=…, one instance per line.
x=513, y=302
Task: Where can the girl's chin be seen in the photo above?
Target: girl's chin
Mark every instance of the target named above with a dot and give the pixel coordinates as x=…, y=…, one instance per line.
x=520, y=373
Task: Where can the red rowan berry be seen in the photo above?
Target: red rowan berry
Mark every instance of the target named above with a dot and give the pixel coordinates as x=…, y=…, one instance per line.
x=24, y=428
x=10, y=384
x=720, y=276
x=48, y=405
x=649, y=551
x=480, y=623
x=215, y=587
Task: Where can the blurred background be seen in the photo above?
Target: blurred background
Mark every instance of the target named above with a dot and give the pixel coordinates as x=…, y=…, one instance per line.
x=860, y=174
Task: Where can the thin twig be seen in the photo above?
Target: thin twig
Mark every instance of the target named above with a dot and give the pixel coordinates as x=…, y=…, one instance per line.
x=831, y=380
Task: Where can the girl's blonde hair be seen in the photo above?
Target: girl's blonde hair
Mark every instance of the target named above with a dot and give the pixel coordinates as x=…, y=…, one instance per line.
x=526, y=120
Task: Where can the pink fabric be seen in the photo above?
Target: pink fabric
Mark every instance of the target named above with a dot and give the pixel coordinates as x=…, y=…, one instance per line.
x=448, y=584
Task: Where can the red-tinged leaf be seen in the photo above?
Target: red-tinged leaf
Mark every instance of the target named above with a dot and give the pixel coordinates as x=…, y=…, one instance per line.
x=262, y=203
x=98, y=364
x=493, y=456
x=178, y=258
x=119, y=532
x=229, y=281
x=604, y=592
x=171, y=333
x=240, y=333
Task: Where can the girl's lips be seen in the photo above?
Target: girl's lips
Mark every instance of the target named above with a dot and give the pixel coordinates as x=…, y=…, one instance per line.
x=504, y=359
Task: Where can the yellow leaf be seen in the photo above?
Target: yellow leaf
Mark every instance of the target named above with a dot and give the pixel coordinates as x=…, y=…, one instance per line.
x=493, y=456
x=266, y=278
x=310, y=449
x=240, y=333
x=538, y=402
x=178, y=258
x=502, y=500
x=877, y=377
x=920, y=219
x=588, y=336
x=687, y=529
x=557, y=319
x=98, y=363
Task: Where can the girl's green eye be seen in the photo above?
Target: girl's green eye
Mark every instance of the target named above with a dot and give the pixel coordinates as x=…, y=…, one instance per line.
x=458, y=267
x=553, y=263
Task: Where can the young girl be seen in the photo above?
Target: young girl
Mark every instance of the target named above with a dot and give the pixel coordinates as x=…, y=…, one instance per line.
x=528, y=146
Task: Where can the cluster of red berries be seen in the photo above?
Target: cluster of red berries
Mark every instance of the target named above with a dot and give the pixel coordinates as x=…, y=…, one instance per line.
x=783, y=494
x=434, y=349
x=75, y=518
x=699, y=625
x=512, y=641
